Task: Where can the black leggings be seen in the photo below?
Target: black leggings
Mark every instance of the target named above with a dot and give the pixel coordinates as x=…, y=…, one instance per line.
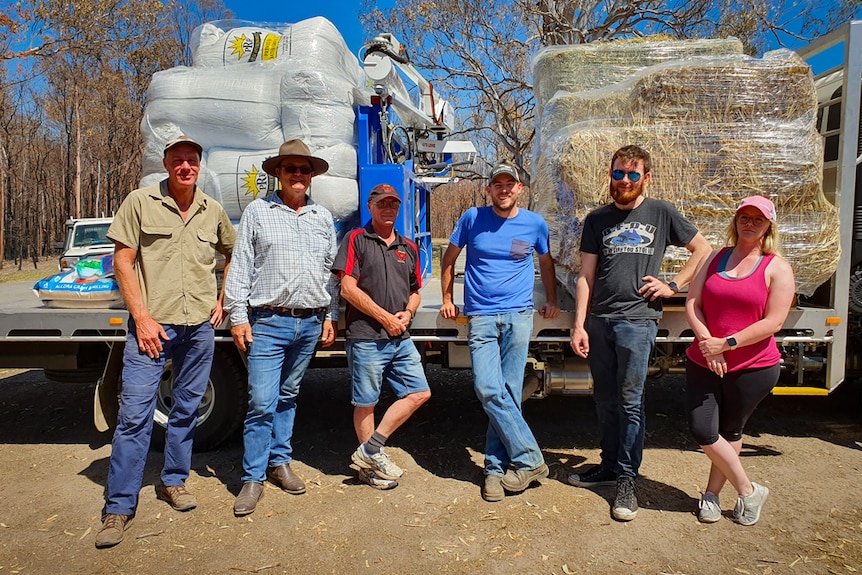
x=722, y=406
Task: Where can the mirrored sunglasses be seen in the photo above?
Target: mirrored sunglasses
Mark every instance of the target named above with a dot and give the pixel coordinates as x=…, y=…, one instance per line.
x=618, y=175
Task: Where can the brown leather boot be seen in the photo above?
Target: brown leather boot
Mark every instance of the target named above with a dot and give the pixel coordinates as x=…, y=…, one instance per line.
x=284, y=477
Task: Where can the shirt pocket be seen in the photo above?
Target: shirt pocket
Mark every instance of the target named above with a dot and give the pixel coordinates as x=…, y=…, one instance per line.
x=206, y=245
x=520, y=249
x=157, y=242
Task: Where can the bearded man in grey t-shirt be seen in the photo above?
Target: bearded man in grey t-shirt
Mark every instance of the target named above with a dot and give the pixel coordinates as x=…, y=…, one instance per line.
x=618, y=303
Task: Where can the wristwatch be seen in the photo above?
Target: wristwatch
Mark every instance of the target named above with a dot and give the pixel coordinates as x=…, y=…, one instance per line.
x=674, y=287
x=731, y=342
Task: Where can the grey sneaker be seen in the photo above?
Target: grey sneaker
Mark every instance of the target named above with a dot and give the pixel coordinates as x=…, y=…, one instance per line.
x=594, y=477
x=379, y=462
x=492, y=489
x=708, y=509
x=370, y=477
x=626, y=502
x=113, y=527
x=748, y=508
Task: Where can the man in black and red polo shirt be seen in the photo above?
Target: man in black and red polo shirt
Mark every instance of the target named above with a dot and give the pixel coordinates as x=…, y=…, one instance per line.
x=380, y=281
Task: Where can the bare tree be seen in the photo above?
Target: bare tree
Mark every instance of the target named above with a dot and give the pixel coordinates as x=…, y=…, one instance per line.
x=81, y=74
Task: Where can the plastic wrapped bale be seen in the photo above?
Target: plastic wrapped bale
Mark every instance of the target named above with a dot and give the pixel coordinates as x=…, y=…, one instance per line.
x=730, y=89
x=567, y=108
x=341, y=197
x=241, y=178
x=590, y=66
x=218, y=44
x=705, y=172
x=241, y=109
x=315, y=42
x=341, y=158
x=317, y=108
x=319, y=125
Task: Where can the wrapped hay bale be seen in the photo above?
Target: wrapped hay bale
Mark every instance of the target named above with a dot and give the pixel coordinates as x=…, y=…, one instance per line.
x=705, y=172
x=240, y=109
x=567, y=108
x=582, y=67
x=240, y=177
x=254, y=86
x=315, y=42
x=218, y=44
x=727, y=90
x=718, y=128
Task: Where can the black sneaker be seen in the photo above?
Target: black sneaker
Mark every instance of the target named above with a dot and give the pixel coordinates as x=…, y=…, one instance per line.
x=625, y=503
x=593, y=477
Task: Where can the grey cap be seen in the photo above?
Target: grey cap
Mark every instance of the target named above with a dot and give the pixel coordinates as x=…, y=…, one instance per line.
x=183, y=140
x=501, y=169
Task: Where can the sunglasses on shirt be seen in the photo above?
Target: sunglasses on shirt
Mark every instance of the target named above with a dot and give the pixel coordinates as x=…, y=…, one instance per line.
x=634, y=177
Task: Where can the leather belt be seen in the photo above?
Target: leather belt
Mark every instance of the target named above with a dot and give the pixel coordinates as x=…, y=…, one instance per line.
x=292, y=311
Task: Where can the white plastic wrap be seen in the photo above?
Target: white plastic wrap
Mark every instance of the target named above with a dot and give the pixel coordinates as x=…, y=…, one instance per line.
x=318, y=125
x=214, y=47
x=240, y=109
x=341, y=197
x=341, y=158
x=240, y=177
x=314, y=42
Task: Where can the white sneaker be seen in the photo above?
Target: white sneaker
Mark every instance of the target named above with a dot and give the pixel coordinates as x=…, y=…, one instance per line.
x=370, y=477
x=708, y=509
x=378, y=462
x=748, y=508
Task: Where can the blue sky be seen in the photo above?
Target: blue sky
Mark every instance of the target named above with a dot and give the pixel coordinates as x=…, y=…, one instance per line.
x=343, y=13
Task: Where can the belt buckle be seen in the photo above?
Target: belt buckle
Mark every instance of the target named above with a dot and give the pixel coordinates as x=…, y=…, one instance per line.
x=297, y=312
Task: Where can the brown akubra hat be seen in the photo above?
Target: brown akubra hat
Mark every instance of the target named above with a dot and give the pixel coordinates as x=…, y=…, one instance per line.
x=295, y=149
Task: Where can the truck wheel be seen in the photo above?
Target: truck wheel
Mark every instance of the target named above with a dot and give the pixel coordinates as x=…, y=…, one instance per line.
x=222, y=408
x=856, y=291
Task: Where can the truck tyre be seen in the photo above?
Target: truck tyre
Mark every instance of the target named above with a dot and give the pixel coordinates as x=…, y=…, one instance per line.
x=222, y=408
x=856, y=291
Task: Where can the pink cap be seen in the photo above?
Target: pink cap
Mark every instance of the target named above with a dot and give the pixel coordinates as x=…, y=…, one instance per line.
x=766, y=207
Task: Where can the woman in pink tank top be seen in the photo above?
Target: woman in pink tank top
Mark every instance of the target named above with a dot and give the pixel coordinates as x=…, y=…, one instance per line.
x=737, y=301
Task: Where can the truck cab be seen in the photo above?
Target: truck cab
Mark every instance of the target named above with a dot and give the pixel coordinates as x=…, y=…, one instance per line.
x=85, y=237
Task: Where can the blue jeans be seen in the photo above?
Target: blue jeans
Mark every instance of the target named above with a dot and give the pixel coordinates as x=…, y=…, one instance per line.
x=619, y=358
x=277, y=359
x=395, y=360
x=190, y=349
x=498, y=350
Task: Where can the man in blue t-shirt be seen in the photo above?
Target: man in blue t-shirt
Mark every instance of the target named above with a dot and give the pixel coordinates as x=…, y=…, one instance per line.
x=498, y=300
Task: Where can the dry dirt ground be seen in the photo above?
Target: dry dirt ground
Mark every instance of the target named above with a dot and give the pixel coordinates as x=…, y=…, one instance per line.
x=53, y=466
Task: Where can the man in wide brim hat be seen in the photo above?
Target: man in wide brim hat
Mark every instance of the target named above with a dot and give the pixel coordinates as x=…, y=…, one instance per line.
x=295, y=149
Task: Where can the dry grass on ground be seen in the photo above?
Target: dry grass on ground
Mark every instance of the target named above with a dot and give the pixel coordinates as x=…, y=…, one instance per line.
x=10, y=272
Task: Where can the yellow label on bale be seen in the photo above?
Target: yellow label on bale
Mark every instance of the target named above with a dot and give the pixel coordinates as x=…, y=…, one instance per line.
x=270, y=47
x=255, y=47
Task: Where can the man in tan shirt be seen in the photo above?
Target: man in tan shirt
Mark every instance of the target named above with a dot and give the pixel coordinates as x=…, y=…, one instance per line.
x=165, y=239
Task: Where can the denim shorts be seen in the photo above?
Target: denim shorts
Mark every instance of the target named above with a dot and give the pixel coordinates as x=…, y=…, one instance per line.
x=371, y=362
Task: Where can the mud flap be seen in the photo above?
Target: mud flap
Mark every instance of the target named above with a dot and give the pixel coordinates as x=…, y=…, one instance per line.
x=106, y=399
